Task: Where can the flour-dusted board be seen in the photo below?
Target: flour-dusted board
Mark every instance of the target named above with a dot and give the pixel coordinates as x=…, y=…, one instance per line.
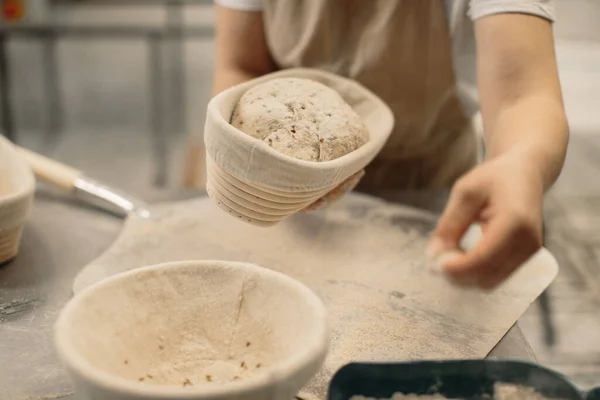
x=364, y=257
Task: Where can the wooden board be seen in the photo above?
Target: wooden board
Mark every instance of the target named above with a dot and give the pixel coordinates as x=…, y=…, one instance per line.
x=363, y=256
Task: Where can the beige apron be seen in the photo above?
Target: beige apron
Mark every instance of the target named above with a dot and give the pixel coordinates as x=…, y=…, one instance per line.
x=401, y=50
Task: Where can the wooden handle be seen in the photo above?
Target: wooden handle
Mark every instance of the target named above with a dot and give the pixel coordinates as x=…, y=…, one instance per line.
x=50, y=171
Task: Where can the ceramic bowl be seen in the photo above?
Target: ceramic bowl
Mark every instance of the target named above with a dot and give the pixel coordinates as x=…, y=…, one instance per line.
x=17, y=187
x=256, y=183
x=193, y=330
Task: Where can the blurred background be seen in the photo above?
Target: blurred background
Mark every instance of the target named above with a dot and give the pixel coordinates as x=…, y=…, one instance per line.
x=128, y=79
x=116, y=87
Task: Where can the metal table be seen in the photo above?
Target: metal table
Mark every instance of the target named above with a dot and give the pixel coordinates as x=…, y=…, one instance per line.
x=59, y=239
x=50, y=33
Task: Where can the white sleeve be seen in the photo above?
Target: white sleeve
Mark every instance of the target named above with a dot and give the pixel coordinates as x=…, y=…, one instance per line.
x=482, y=8
x=241, y=5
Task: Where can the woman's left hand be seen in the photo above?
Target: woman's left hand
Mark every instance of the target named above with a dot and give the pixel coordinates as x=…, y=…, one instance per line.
x=345, y=187
x=505, y=196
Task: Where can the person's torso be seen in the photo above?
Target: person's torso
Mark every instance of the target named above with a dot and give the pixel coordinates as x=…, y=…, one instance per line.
x=399, y=49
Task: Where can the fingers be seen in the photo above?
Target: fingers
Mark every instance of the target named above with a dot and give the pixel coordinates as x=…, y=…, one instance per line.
x=347, y=186
x=508, y=242
x=471, y=267
x=508, y=206
x=316, y=205
x=350, y=184
x=463, y=208
x=510, y=237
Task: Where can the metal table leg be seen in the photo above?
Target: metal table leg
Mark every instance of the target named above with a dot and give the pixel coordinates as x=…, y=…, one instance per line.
x=546, y=312
x=8, y=128
x=175, y=24
x=157, y=125
x=54, y=109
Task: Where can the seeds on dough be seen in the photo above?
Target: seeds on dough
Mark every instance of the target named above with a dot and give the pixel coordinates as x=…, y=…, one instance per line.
x=324, y=129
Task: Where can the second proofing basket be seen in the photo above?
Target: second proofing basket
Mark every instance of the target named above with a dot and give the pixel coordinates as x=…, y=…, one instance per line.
x=17, y=186
x=259, y=185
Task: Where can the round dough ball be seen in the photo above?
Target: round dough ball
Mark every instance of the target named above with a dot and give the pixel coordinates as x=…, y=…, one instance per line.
x=300, y=118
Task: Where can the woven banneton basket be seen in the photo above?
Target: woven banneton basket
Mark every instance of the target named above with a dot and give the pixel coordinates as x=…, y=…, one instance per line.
x=259, y=185
x=194, y=330
x=17, y=186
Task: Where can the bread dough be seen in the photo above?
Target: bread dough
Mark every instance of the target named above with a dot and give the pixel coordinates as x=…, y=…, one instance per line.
x=300, y=118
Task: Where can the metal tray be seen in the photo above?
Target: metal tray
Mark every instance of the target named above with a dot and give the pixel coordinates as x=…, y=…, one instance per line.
x=467, y=379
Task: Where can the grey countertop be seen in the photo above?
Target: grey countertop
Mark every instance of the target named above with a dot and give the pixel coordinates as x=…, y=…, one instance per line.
x=59, y=239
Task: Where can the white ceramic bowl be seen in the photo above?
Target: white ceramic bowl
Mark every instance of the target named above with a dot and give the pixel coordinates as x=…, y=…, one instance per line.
x=256, y=183
x=193, y=330
x=17, y=187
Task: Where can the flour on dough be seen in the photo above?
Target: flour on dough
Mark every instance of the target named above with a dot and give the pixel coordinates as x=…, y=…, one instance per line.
x=300, y=118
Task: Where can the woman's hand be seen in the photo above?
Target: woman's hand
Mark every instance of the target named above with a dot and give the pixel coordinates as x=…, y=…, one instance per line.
x=505, y=196
x=526, y=138
x=345, y=187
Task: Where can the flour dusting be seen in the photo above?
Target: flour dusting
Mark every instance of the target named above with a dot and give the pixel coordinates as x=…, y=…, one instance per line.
x=366, y=260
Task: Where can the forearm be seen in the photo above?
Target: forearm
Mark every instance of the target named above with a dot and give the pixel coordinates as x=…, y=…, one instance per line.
x=536, y=127
x=225, y=78
x=521, y=99
x=242, y=51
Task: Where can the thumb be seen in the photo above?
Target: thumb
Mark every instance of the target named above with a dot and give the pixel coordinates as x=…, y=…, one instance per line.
x=464, y=206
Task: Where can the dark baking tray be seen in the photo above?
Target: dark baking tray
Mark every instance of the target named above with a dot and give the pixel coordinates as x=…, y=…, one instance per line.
x=466, y=379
